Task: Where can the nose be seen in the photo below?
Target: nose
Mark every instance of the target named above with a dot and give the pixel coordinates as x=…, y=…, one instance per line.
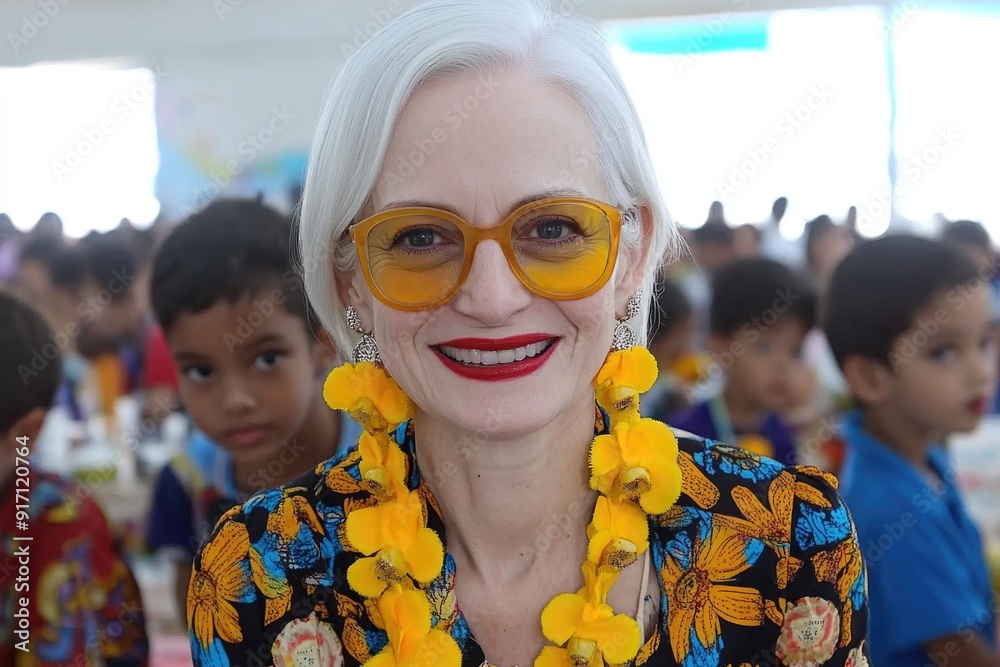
x=236, y=396
x=491, y=293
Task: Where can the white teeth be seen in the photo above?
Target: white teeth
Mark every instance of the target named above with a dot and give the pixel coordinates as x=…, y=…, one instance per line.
x=494, y=357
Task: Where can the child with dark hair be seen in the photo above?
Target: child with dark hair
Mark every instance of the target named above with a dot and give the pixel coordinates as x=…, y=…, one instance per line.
x=670, y=343
x=79, y=603
x=761, y=311
x=971, y=238
x=34, y=274
x=908, y=320
x=252, y=362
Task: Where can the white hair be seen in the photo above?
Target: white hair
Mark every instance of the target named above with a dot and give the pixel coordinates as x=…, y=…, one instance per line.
x=443, y=37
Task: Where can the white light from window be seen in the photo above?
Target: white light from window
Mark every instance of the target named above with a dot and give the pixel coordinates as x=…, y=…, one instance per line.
x=80, y=141
x=805, y=118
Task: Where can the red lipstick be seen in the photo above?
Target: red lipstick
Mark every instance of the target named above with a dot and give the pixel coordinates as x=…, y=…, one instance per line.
x=977, y=406
x=497, y=372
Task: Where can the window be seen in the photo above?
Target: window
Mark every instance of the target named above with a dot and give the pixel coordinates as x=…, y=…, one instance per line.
x=78, y=140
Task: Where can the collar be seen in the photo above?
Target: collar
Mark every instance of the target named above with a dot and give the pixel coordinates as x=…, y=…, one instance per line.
x=863, y=445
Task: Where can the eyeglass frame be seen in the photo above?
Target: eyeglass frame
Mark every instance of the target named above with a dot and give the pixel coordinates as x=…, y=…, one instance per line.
x=501, y=233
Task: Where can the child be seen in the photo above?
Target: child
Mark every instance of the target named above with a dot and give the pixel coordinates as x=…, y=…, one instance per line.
x=69, y=581
x=760, y=313
x=244, y=340
x=908, y=321
x=670, y=343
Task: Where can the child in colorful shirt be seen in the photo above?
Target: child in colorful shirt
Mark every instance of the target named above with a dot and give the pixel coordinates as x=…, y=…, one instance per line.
x=760, y=314
x=251, y=359
x=67, y=596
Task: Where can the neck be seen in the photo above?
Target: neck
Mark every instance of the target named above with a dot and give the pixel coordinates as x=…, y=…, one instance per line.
x=744, y=414
x=905, y=438
x=496, y=486
x=315, y=442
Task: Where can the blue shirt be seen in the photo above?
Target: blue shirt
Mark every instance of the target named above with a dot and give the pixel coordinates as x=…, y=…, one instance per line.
x=197, y=487
x=926, y=561
x=699, y=420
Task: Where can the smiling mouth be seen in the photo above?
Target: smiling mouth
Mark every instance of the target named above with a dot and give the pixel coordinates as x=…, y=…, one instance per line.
x=472, y=357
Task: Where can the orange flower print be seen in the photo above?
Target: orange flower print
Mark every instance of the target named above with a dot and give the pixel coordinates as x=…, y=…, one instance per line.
x=699, y=595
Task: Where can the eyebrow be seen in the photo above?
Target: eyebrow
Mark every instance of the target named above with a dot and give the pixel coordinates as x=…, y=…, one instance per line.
x=420, y=203
x=187, y=356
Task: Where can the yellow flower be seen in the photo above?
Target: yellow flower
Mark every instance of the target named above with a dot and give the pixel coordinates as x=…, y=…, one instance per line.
x=591, y=631
x=637, y=462
x=618, y=533
x=756, y=444
x=412, y=642
x=698, y=597
x=368, y=394
x=624, y=375
x=396, y=531
x=383, y=465
x=223, y=578
x=692, y=368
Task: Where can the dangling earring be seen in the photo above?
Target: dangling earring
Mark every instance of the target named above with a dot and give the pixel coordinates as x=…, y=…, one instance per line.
x=365, y=349
x=624, y=336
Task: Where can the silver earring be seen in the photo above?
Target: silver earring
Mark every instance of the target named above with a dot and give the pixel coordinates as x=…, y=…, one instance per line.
x=624, y=336
x=365, y=349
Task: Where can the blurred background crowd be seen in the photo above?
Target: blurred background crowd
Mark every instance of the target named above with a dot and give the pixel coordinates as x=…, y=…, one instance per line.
x=782, y=131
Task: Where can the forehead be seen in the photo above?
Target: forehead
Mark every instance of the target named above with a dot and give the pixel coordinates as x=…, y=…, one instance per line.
x=225, y=328
x=965, y=308
x=479, y=143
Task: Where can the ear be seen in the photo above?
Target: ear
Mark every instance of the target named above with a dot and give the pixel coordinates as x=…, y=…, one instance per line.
x=869, y=380
x=353, y=291
x=28, y=426
x=628, y=281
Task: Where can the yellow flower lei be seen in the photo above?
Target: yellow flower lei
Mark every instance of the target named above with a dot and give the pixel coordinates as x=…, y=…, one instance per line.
x=634, y=468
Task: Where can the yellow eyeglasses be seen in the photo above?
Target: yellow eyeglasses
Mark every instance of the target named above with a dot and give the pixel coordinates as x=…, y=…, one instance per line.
x=560, y=248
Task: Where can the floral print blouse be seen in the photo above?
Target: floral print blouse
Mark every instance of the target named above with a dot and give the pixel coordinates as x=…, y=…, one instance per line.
x=759, y=565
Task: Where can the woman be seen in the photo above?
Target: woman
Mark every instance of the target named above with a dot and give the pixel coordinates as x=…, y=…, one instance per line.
x=481, y=181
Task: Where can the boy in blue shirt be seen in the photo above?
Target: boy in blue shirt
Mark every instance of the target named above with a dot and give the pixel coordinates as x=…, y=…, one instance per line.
x=252, y=361
x=908, y=320
x=760, y=314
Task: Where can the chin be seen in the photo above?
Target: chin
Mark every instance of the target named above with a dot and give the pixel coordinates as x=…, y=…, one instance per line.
x=502, y=415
